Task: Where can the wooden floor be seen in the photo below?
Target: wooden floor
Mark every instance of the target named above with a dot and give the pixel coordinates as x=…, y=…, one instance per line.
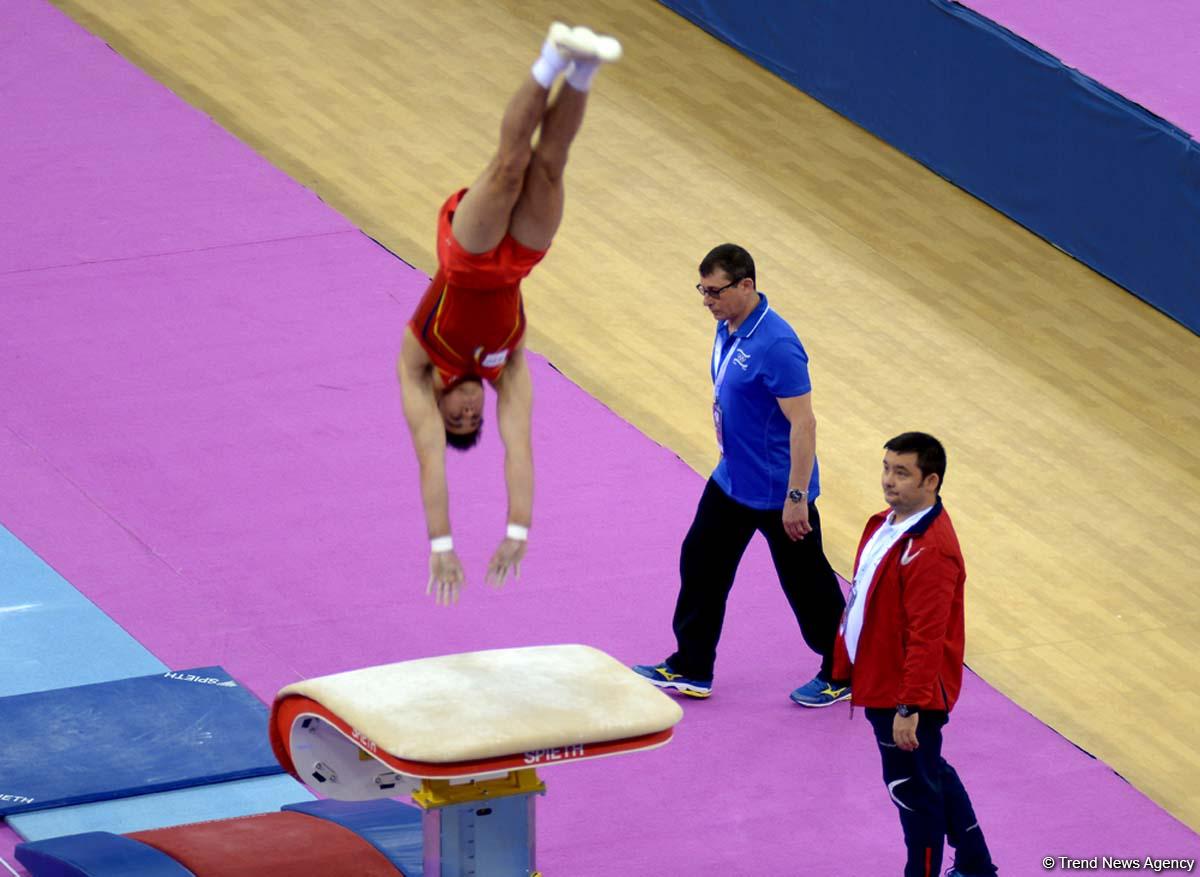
x=1070, y=409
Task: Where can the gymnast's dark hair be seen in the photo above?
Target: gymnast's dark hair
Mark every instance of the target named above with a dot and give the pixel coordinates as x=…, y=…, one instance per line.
x=732, y=259
x=931, y=456
x=464, y=441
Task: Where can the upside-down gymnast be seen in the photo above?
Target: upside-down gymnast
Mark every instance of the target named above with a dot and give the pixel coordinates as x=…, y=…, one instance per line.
x=469, y=325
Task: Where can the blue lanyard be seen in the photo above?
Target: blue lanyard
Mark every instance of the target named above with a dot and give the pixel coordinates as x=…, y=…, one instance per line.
x=719, y=372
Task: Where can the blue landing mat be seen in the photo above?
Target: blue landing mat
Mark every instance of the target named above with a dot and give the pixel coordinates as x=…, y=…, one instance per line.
x=129, y=737
x=97, y=854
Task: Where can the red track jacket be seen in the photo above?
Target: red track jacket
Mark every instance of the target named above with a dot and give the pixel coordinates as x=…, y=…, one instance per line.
x=911, y=646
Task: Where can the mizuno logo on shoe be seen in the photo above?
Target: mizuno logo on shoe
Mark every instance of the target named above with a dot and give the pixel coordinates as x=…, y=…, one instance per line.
x=667, y=674
x=906, y=558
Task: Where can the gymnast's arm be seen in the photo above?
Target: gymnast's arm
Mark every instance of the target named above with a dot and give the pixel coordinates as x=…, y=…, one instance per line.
x=428, y=432
x=514, y=412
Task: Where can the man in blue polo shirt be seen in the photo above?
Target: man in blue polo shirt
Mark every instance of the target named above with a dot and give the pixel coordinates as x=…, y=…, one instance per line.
x=766, y=481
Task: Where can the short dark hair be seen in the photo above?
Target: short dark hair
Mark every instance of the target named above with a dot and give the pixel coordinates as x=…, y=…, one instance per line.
x=931, y=456
x=731, y=259
x=464, y=441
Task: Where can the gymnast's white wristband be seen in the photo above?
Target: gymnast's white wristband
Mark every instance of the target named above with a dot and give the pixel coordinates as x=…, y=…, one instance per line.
x=517, y=532
x=441, y=544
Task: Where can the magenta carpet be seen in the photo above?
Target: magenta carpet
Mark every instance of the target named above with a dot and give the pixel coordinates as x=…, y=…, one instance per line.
x=1144, y=51
x=202, y=433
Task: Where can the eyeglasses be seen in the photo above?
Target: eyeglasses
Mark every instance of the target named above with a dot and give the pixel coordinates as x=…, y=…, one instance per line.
x=709, y=292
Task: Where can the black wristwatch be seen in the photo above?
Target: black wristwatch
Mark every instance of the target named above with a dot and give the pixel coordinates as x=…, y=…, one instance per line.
x=904, y=710
x=797, y=495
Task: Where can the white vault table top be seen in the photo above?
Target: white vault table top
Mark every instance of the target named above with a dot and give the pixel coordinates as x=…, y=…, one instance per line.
x=486, y=704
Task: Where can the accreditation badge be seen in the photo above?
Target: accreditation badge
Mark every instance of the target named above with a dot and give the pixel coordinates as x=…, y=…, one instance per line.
x=717, y=427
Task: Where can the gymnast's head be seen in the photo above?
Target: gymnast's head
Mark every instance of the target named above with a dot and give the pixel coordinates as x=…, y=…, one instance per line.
x=462, y=412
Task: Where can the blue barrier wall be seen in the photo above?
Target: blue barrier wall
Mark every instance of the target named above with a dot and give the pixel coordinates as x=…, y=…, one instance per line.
x=1096, y=175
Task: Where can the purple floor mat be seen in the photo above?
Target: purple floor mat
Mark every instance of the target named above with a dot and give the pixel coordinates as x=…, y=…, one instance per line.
x=100, y=162
x=230, y=480
x=1144, y=51
x=8, y=860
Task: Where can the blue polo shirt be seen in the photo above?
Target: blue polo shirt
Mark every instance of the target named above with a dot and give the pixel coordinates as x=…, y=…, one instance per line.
x=763, y=361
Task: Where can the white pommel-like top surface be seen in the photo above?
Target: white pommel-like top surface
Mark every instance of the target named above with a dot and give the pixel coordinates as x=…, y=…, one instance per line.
x=493, y=703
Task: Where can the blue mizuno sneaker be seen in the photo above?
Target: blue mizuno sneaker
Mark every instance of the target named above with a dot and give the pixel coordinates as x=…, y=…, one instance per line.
x=818, y=693
x=664, y=677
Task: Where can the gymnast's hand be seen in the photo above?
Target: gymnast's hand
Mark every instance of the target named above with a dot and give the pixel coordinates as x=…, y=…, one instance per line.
x=507, y=557
x=446, y=576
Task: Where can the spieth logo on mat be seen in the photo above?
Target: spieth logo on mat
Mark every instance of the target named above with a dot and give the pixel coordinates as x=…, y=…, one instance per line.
x=16, y=799
x=202, y=680
x=563, y=753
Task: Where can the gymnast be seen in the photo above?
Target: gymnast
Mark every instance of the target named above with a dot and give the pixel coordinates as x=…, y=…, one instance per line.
x=470, y=323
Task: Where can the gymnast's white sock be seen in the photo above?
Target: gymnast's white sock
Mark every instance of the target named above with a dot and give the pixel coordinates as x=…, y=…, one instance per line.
x=580, y=76
x=548, y=65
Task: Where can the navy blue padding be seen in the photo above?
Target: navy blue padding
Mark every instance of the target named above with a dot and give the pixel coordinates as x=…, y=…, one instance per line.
x=391, y=827
x=97, y=854
x=129, y=737
x=1083, y=167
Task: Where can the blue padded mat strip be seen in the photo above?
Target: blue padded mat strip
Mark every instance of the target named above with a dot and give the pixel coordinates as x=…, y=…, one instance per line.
x=97, y=854
x=164, y=809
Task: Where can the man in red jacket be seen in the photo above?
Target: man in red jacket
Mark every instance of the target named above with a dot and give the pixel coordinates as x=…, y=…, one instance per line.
x=901, y=644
